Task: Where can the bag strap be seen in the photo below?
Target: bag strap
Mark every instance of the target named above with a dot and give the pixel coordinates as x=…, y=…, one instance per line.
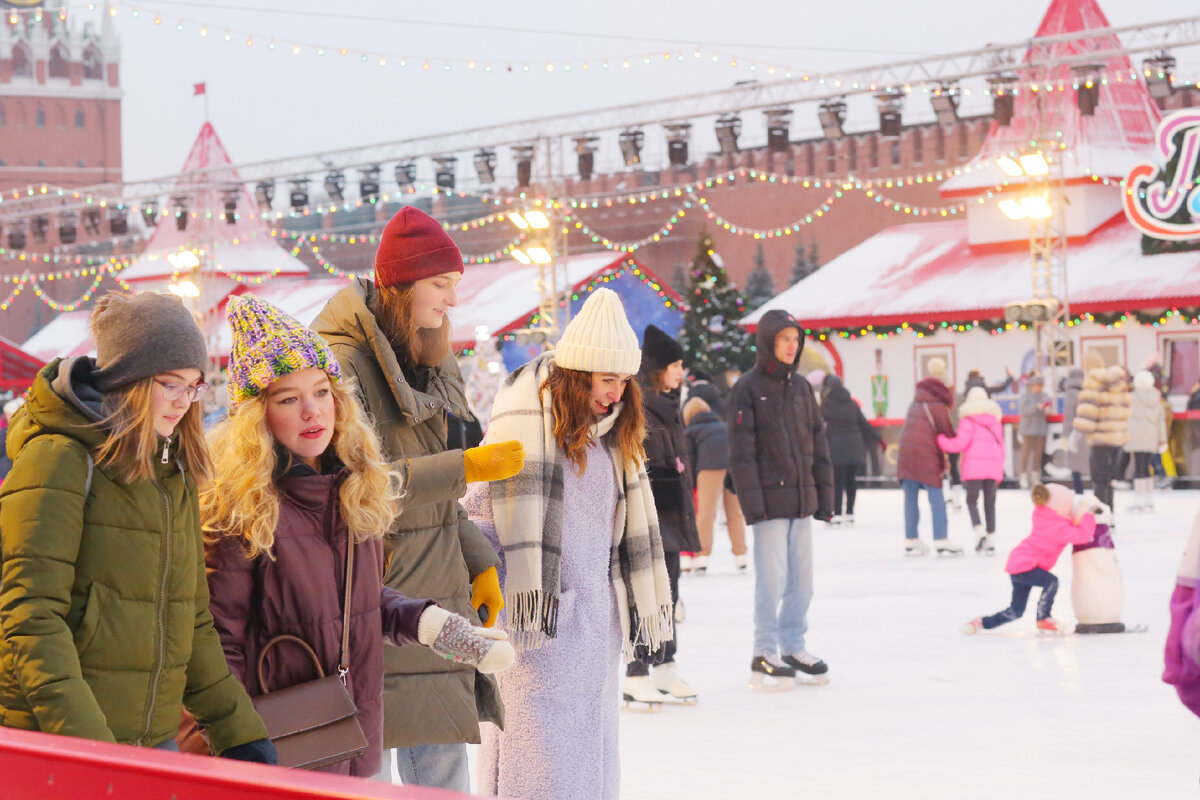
x=343, y=668
x=262, y=681
x=929, y=417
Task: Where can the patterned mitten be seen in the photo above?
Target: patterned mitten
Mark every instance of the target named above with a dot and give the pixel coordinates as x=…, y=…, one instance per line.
x=453, y=638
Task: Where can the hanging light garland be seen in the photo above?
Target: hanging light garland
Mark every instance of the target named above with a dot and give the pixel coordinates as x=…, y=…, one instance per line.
x=72, y=306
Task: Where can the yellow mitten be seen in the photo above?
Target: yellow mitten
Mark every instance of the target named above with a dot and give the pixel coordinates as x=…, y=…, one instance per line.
x=493, y=462
x=485, y=591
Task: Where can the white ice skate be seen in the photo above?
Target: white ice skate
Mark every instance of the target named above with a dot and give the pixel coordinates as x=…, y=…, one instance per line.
x=973, y=627
x=639, y=694
x=915, y=547
x=985, y=544
x=945, y=547
x=741, y=563
x=835, y=521
x=848, y=520
x=767, y=673
x=809, y=669
x=700, y=565
x=1051, y=627
x=672, y=687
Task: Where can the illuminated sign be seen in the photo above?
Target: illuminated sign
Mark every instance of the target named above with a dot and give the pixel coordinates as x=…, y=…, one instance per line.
x=1164, y=202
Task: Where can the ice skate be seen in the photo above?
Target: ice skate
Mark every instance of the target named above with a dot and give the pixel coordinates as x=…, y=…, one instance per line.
x=680, y=612
x=809, y=668
x=915, y=547
x=639, y=694
x=1051, y=627
x=671, y=686
x=835, y=521
x=685, y=563
x=945, y=547
x=957, y=497
x=973, y=627
x=741, y=563
x=699, y=565
x=985, y=544
x=1024, y=481
x=768, y=674
x=848, y=520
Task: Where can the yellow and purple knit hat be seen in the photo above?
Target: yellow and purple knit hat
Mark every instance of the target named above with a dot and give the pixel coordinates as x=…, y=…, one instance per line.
x=268, y=344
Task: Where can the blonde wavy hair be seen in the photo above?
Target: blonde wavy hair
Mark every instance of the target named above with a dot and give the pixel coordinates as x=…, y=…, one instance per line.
x=132, y=445
x=242, y=500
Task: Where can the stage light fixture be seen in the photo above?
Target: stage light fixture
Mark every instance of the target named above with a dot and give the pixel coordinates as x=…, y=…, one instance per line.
x=335, y=185
x=368, y=183
x=945, y=104
x=485, y=165
x=406, y=174
x=67, y=231
x=180, y=204
x=1087, y=93
x=299, y=194
x=39, y=226
x=231, y=194
x=16, y=236
x=778, y=133
x=585, y=152
x=523, y=156
x=890, y=105
x=1159, y=72
x=1001, y=86
x=728, y=127
x=150, y=213
x=630, y=141
x=678, y=134
x=118, y=221
x=444, y=172
x=91, y=221
x=264, y=193
x=831, y=115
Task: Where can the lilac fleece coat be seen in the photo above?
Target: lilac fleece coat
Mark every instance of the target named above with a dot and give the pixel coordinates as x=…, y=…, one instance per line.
x=981, y=441
x=1051, y=533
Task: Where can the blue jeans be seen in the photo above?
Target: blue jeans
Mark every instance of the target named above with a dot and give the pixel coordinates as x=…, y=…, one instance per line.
x=1022, y=583
x=783, y=585
x=442, y=766
x=912, y=514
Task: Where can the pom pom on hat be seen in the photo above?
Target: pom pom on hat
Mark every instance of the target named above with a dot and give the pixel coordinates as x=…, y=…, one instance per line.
x=599, y=338
x=268, y=344
x=414, y=246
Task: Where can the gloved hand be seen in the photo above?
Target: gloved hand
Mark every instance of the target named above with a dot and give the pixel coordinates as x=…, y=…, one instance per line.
x=1090, y=504
x=644, y=655
x=823, y=514
x=493, y=462
x=455, y=639
x=261, y=751
x=485, y=591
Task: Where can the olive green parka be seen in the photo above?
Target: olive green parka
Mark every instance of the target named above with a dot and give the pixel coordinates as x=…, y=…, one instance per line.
x=434, y=551
x=103, y=598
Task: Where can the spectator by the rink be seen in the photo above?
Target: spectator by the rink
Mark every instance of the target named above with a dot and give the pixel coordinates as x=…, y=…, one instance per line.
x=585, y=580
x=1034, y=406
x=298, y=481
x=103, y=602
x=392, y=335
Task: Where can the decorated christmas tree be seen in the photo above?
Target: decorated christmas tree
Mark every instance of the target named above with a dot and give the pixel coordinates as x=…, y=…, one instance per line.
x=711, y=338
x=800, y=268
x=759, y=286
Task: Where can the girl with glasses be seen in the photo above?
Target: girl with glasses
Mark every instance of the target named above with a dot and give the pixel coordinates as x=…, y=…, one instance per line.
x=103, y=602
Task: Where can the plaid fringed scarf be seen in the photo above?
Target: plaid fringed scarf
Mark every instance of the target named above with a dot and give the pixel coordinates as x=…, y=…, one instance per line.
x=529, y=522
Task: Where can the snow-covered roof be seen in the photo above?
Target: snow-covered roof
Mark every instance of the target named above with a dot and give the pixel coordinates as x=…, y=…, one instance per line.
x=1108, y=143
x=926, y=272
x=65, y=335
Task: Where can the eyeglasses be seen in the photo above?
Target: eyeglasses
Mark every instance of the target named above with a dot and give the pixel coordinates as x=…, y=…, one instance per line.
x=174, y=391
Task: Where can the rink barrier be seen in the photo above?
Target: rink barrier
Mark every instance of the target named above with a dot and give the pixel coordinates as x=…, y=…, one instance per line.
x=41, y=766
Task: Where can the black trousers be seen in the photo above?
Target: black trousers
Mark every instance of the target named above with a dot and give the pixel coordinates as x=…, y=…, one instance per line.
x=955, y=476
x=845, y=479
x=1103, y=463
x=988, y=488
x=637, y=668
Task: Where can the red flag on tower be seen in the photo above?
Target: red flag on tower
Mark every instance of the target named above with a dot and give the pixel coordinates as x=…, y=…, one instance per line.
x=198, y=88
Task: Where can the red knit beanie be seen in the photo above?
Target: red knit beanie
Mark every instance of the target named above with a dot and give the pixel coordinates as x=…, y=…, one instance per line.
x=414, y=246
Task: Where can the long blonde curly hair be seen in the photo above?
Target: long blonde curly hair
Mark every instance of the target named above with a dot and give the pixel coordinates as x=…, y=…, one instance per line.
x=242, y=500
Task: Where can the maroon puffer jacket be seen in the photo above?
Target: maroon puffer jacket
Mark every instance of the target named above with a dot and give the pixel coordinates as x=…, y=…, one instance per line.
x=921, y=459
x=300, y=593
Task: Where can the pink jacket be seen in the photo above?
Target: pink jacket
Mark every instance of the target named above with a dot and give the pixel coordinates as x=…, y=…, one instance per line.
x=1044, y=544
x=981, y=441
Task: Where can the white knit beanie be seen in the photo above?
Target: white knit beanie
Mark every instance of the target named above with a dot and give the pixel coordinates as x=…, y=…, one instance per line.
x=599, y=338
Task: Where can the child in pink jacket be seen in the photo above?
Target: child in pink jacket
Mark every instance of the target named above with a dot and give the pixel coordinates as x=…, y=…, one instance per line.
x=1030, y=562
x=981, y=441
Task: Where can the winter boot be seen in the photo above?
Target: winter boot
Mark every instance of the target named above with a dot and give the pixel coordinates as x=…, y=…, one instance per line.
x=945, y=547
x=699, y=564
x=809, y=668
x=668, y=682
x=1051, y=626
x=973, y=627
x=768, y=673
x=639, y=692
x=915, y=547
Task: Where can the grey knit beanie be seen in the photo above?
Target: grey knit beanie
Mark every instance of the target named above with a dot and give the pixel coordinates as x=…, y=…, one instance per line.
x=599, y=338
x=138, y=336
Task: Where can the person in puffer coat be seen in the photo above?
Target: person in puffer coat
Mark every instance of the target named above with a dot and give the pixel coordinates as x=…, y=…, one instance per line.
x=1147, y=429
x=277, y=554
x=779, y=460
x=980, y=439
x=849, y=436
x=921, y=464
x=1102, y=416
x=107, y=633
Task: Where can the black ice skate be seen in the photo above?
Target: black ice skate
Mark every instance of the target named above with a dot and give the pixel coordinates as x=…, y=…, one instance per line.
x=986, y=546
x=771, y=675
x=639, y=694
x=809, y=668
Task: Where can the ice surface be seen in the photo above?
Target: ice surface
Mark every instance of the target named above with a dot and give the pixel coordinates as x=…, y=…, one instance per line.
x=916, y=709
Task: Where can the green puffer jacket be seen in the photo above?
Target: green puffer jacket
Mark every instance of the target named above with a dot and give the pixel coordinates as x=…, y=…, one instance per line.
x=103, y=599
x=435, y=550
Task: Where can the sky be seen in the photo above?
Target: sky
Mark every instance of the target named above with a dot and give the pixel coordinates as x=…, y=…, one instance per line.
x=268, y=104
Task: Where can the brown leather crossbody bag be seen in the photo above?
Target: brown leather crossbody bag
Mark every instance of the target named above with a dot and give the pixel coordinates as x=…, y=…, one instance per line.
x=314, y=724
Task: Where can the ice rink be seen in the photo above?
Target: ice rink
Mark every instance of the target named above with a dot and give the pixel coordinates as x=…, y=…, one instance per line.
x=916, y=709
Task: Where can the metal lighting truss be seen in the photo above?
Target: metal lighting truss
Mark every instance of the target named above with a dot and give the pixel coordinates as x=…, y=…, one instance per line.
x=1034, y=55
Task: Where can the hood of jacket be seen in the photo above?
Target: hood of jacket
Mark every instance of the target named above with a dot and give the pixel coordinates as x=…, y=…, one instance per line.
x=1074, y=380
x=769, y=326
x=978, y=402
x=932, y=390
x=347, y=319
x=62, y=400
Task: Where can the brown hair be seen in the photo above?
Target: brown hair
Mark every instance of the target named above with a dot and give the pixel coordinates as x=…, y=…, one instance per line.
x=132, y=444
x=694, y=406
x=1040, y=495
x=570, y=399
x=414, y=345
